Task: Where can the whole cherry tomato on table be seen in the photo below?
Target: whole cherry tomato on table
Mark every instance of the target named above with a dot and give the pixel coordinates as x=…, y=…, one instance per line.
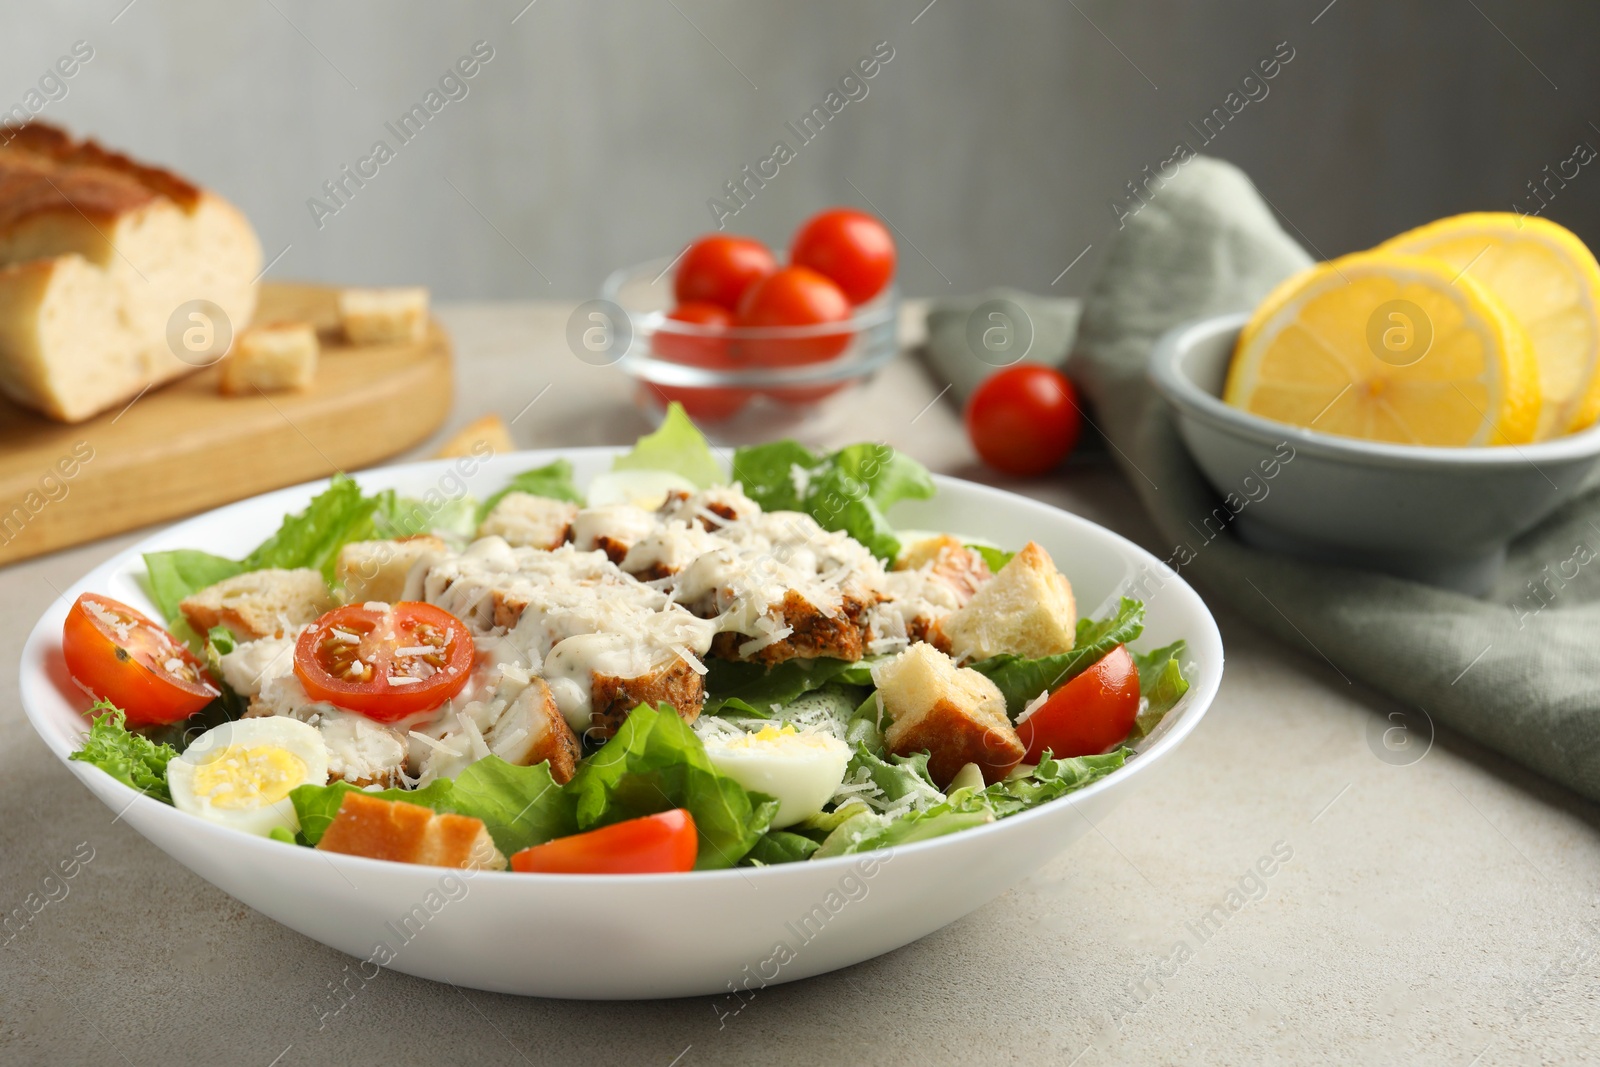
x=1024, y=420
x=1087, y=715
x=386, y=662
x=122, y=656
x=719, y=268
x=707, y=346
x=850, y=247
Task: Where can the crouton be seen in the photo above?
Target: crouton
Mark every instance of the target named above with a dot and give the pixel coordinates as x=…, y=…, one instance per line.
x=528, y=521
x=1026, y=609
x=955, y=714
x=261, y=603
x=377, y=570
x=272, y=357
x=384, y=316
x=409, y=833
x=813, y=633
x=488, y=435
x=677, y=684
x=532, y=730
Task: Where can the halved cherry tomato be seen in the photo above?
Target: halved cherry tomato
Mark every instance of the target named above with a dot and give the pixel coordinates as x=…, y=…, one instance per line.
x=1024, y=420
x=387, y=664
x=850, y=247
x=707, y=347
x=1087, y=715
x=656, y=844
x=122, y=656
x=719, y=268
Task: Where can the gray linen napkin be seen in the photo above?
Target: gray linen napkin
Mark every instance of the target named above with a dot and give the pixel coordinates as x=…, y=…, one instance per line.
x=1516, y=670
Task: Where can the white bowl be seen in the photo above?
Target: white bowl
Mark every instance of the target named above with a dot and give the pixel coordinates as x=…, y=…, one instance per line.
x=620, y=937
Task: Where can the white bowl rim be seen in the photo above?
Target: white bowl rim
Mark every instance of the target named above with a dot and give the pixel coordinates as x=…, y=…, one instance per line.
x=1173, y=383
x=45, y=634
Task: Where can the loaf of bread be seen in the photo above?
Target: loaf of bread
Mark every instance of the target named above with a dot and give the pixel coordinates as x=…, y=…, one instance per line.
x=98, y=255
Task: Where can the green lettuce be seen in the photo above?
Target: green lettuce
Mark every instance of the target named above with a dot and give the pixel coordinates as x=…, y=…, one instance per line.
x=678, y=447
x=864, y=831
x=130, y=758
x=1161, y=684
x=310, y=538
x=779, y=846
x=553, y=480
x=1023, y=679
x=848, y=490
x=654, y=763
x=752, y=689
x=996, y=558
x=1052, y=778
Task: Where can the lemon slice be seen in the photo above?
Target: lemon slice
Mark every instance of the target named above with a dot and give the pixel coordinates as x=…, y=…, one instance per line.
x=1388, y=347
x=1549, y=281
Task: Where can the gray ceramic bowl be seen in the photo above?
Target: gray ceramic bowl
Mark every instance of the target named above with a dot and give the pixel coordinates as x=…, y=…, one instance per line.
x=1438, y=515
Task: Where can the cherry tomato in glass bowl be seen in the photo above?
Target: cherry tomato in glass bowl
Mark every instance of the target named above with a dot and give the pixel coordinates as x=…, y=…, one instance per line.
x=386, y=662
x=798, y=297
x=1089, y=714
x=849, y=247
x=655, y=844
x=122, y=656
x=1024, y=420
x=709, y=347
x=719, y=268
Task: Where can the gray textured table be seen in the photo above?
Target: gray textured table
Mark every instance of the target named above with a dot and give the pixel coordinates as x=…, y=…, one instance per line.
x=1431, y=912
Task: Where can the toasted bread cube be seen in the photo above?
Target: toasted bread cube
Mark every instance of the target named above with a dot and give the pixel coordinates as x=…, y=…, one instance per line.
x=528, y=521
x=384, y=316
x=409, y=833
x=261, y=603
x=377, y=570
x=272, y=357
x=955, y=714
x=486, y=436
x=1027, y=609
x=532, y=730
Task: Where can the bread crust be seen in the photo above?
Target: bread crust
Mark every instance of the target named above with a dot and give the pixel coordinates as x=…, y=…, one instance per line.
x=953, y=738
x=409, y=833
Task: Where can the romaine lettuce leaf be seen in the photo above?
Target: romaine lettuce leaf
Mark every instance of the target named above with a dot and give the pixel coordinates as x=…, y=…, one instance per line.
x=1023, y=679
x=171, y=576
x=553, y=480
x=129, y=757
x=862, y=832
x=847, y=490
x=779, y=846
x=752, y=689
x=1051, y=779
x=656, y=763
x=898, y=777
x=1161, y=685
x=996, y=558
x=679, y=447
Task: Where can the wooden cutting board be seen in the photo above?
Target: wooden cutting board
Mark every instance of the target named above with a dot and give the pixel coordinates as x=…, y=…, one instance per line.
x=184, y=448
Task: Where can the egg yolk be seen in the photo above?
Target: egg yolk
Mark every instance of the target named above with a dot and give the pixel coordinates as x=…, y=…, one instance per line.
x=786, y=736
x=248, y=776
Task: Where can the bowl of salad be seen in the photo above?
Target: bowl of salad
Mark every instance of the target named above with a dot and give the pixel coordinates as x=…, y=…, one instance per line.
x=754, y=343
x=611, y=723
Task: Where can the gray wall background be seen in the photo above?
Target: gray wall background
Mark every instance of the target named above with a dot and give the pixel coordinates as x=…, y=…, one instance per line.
x=994, y=140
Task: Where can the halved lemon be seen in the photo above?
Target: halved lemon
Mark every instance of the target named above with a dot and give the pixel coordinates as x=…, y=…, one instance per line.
x=1388, y=347
x=1549, y=281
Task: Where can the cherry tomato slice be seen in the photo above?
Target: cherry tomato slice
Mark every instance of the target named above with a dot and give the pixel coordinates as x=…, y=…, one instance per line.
x=1024, y=420
x=707, y=346
x=1087, y=715
x=717, y=269
x=120, y=655
x=387, y=664
x=656, y=844
x=850, y=247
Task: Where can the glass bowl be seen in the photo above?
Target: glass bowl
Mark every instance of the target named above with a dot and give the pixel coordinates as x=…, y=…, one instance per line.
x=740, y=384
